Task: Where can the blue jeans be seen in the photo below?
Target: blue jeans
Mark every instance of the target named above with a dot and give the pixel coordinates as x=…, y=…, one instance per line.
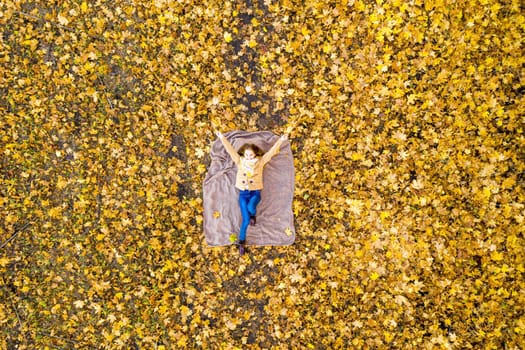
x=248, y=201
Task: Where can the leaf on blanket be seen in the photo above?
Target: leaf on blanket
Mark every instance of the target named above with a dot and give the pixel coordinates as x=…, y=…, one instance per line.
x=216, y=214
x=288, y=231
x=233, y=237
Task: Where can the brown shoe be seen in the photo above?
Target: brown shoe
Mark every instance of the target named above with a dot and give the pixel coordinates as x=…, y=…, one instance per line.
x=241, y=244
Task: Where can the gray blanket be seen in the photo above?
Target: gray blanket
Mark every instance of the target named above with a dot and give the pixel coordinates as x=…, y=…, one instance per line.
x=222, y=216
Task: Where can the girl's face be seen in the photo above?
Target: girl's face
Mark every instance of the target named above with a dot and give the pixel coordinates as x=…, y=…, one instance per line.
x=249, y=154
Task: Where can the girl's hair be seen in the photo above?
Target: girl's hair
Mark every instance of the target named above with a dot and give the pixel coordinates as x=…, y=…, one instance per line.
x=258, y=152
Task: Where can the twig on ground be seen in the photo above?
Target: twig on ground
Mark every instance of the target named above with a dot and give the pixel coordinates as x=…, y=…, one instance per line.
x=18, y=317
x=56, y=337
x=14, y=235
x=105, y=92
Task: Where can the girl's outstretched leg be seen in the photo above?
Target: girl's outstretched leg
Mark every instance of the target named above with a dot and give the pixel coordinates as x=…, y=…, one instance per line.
x=245, y=213
x=244, y=199
x=252, y=206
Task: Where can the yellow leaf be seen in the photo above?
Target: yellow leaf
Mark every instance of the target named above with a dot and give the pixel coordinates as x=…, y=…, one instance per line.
x=359, y=6
x=185, y=311
x=496, y=256
x=79, y=304
x=32, y=43
x=199, y=152
x=216, y=215
x=374, y=276
x=354, y=205
x=155, y=243
x=11, y=218
x=55, y=212
x=108, y=336
x=509, y=182
x=388, y=336
x=357, y=156
x=62, y=20
x=4, y=261
x=305, y=31
x=227, y=37
x=288, y=231
x=61, y=182
x=487, y=191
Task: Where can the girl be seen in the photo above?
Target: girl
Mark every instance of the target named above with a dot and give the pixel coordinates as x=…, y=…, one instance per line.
x=250, y=161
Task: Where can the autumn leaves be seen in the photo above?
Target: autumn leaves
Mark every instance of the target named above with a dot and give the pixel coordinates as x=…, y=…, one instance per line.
x=407, y=131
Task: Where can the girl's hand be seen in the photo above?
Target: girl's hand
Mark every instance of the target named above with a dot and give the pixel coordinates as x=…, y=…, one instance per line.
x=284, y=137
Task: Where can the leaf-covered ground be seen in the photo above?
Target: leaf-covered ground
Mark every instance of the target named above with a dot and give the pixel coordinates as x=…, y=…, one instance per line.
x=406, y=120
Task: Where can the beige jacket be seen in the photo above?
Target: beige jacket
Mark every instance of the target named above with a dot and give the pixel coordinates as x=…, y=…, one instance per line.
x=250, y=177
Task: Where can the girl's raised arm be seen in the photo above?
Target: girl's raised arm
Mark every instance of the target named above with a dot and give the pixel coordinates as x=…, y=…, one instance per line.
x=229, y=148
x=274, y=150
